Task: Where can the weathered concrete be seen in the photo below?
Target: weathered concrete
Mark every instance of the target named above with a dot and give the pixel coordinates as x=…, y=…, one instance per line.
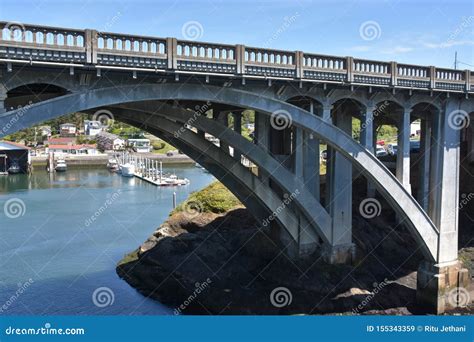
x=436, y=287
x=403, y=153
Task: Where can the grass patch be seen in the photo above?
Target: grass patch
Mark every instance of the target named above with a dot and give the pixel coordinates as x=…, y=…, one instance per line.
x=215, y=198
x=130, y=257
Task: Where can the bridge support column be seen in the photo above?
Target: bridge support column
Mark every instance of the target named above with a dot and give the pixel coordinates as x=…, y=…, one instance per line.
x=425, y=152
x=223, y=118
x=339, y=200
x=367, y=140
x=261, y=138
x=3, y=97
x=237, y=115
x=403, y=153
x=470, y=142
x=436, y=283
x=311, y=160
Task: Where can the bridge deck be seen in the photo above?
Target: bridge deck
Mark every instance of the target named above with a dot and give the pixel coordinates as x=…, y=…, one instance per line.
x=46, y=45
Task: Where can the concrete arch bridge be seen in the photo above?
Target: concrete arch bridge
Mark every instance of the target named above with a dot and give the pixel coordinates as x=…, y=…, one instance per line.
x=166, y=86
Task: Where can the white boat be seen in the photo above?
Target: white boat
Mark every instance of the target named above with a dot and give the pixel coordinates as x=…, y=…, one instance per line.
x=128, y=170
x=14, y=168
x=61, y=165
x=174, y=180
x=113, y=165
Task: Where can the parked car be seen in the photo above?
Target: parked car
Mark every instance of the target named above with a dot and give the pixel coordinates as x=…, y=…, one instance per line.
x=392, y=149
x=324, y=155
x=380, y=151
x=414, y=146
x=169, y=154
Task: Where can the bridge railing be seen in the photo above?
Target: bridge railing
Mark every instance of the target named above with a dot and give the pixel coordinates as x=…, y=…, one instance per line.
x=42, y=43
x=55, y=45
x=121, y=50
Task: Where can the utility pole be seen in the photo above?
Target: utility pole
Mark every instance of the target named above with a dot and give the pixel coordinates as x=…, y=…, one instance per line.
x=455, y=60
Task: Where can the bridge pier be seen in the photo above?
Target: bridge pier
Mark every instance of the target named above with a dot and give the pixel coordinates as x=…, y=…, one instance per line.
x=339, y=198
x=436, y=281
x=268, y=138
x=222, y=116
x=237, y=116
x=424, y=168
x=367, y=139
x=403, y=152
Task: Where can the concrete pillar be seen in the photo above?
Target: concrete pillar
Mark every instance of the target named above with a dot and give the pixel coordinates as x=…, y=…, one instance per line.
x=403, y=153
x=470, y=142
x=424, y=163
x=262, y=139
x=339, y=199
x=311, y=162
x=436, y=282
x=367, y=139
x=223, y=118
x=444, y=185
x=3, y=97
x=238, y=129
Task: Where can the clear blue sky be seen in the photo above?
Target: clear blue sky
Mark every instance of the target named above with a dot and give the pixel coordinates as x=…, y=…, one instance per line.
x=424, y=32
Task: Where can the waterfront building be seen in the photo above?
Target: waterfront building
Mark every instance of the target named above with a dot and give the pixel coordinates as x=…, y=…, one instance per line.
x=92, y=128
x=12, y=153
x=107, y=141
x=83, y=149
x=139, y=145
x=67, y=130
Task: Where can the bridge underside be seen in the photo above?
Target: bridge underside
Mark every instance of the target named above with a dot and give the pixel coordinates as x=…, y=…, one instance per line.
x=289, y=127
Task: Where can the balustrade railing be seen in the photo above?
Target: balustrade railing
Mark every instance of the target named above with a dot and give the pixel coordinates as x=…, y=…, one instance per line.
x=33, y=43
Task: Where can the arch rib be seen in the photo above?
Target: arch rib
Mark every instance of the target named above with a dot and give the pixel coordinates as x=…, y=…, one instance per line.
x=404, y=204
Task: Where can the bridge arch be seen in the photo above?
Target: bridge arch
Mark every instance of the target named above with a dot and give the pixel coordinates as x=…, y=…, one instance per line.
x=27, y=93
x=418, y=221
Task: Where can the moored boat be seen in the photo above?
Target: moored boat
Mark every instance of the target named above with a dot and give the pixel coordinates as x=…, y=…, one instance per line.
x=113, y=165
x=60, y=166
x=14, y=168
x=128, y=170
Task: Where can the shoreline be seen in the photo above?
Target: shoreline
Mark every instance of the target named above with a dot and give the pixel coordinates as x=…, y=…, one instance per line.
x=242, y=268
x=101, y=160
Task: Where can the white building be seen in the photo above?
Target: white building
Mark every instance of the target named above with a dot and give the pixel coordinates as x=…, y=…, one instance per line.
x=139, y=145
x=92, y=128
x=73, y=149
x=107, y=142
x=67, y=130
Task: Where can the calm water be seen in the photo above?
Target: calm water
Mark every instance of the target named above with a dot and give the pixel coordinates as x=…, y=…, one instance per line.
x=68, y=256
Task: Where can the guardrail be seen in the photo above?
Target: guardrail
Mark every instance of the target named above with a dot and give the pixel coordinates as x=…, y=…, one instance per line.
x=55, y=45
